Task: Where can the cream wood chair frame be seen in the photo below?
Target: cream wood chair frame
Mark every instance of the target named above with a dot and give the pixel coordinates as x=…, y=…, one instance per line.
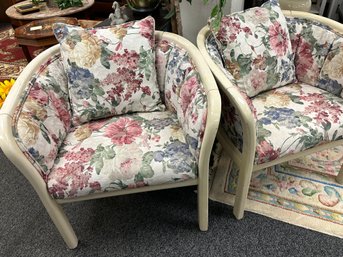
x=245, y=159
x=53, y=207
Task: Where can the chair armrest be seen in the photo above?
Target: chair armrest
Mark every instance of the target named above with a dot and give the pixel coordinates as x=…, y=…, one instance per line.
x=238, y=113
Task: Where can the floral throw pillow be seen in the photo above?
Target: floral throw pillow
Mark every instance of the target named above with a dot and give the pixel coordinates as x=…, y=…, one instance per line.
x=110, y=70
x=256, y=48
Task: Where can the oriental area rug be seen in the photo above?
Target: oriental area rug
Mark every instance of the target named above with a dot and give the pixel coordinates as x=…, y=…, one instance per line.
x=301, y=192
x=12, y=58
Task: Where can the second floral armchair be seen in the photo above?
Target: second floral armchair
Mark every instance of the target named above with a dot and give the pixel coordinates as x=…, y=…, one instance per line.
x=278, y=73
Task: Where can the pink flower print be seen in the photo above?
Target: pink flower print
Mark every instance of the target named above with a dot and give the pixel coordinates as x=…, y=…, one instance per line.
x=62, y=110
x=278, y=39
x=258, y=79
x=127, y=59
x=68, y=180
x=163, y=45
x=146, y=90
x=266, y=152
x=85, y=104
x=325, y=111
x=83, y=155
x=229, y=29
x=38, y=94
x=304, y=59
x=188, y=92
x=95, y=186
x=312, y=97
x=203, y=125
x=123, y=131
x=51, y=156
x=137, y=185
x=147, y=26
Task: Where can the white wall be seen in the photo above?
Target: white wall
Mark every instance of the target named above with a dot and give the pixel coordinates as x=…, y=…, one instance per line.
x=194, y=17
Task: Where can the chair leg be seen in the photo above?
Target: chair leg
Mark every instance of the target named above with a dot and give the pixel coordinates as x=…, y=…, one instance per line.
x=203, y=201
x=339, y=177
x=61, y=222
x=245, y=172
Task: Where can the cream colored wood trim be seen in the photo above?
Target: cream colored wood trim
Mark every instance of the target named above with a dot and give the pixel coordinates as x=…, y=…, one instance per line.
x=212, y=124
x=329, y=22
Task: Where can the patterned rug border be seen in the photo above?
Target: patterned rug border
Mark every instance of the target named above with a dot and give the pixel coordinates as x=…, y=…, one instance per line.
x=284, y=215
x=278, y=212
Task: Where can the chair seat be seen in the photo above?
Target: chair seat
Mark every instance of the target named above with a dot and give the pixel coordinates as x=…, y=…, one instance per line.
x=122, y=152
x=294, y=118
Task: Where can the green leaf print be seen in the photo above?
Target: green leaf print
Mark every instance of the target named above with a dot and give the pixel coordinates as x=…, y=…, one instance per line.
x=98, y=90
x=295, y=99
x=105, y=53
x=332, y=192
x=101, y=154
x=244, y=61
x=272, y=78
x=309, y=191
x=45, y=133
x=311, y=140
x=326, y=125
x=145, y=62
x=148, y=157
x=146, y=171
x=98, y=165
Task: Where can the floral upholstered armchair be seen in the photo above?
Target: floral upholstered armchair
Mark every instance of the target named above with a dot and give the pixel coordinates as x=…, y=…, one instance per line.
x=280, y=77
x=111, y=111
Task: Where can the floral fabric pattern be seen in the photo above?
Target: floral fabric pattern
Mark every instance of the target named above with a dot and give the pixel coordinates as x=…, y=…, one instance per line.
x=311, y=43
x=230, y=120
x=331, y=75
x=256, y=48
x=43, y=119
x=94, y=157
x=163, y=49
x=295, y=118
x=110, y=70
x=185, y=95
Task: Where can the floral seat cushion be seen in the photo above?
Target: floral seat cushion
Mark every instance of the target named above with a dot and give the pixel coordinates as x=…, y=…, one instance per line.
x=294, y=118
x=122, y=152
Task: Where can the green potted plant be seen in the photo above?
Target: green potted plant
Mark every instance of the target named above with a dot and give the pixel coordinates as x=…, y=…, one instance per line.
x=64, y=4
x=216, y=12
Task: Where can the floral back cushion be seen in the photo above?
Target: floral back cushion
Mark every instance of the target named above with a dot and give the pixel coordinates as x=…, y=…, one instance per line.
x=110, y=70
x=42, y=119
x=256, y=48
x=331, y=75
x=311, y=42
